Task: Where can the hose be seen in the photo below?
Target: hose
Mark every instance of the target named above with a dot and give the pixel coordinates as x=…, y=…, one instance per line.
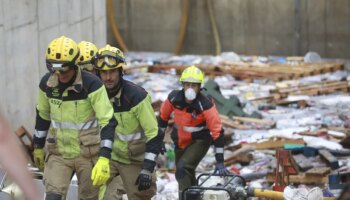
x=184, y=20
x=214, y=27
x=114, y=26
x=262, y=193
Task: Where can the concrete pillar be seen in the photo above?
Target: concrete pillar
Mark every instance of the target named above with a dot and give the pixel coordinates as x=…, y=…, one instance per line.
x=26, y=28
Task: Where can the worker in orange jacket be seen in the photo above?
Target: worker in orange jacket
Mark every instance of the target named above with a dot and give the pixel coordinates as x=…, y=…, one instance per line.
x=198, y=125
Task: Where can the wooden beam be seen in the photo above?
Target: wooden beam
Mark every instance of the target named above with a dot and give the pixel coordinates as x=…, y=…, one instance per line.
x=275, y=144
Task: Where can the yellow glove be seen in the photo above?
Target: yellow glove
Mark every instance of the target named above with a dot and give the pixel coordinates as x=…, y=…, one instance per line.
x=39, y=158
x=100, y=173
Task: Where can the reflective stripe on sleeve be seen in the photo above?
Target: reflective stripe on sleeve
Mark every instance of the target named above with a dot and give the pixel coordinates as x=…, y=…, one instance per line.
x=150, y=156
x=129, y=137
x=219, y=150
x=40, y=134
x=106, y=143
x=74, y=126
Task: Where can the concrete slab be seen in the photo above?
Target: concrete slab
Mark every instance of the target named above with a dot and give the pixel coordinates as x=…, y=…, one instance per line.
x=230, y=25
x=99, y=23
x=99, y=9
x=153, y=20
x=48, y=14
x=100, y=32
x=26, y=28
x=316, y=26
x=1, y=13
x=21, y=75
x=82, y=30
x=199, y=36
x=265, y=27
x=19, y=13
x=338, y=29
x=76, y=11
x=278, y=27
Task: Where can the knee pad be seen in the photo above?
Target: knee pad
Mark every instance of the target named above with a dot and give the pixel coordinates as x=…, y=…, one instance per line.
x=53, y=197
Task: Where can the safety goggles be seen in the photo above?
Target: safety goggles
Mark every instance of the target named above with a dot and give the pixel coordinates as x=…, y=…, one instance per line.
x=59, y=67
x=109, y=61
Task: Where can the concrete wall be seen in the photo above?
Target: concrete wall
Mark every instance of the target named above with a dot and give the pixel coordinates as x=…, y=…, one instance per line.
x=260, y=27
x=26, y=28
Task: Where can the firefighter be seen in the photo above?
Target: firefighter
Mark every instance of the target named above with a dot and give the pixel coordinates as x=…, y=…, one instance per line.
x=74, y=122
x=137, y=142
x=198, y=126
x=87, y=51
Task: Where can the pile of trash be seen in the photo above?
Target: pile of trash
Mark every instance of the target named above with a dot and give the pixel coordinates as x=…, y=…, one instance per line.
x=308, y=117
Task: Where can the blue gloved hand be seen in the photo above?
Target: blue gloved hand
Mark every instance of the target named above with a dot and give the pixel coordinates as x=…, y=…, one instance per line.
x=144, y=180
x=221, y=169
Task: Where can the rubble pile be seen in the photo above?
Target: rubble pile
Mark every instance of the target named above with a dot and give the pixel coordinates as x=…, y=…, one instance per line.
x=278, y=105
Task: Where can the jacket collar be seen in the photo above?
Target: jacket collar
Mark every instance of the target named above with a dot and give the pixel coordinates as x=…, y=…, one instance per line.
x=116, y=98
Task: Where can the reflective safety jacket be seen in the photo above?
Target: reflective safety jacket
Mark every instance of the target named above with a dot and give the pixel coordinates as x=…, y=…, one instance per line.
x=198, y=120
x=80, y=116
x=136, y=136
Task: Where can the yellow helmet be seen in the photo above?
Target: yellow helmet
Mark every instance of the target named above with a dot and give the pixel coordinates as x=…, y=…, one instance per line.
x=62, y=53
x=108, y=58
x=87, y=51
x=192, y=74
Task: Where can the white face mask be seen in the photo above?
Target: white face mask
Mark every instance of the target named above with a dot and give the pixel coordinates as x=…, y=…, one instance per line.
x=190, y=94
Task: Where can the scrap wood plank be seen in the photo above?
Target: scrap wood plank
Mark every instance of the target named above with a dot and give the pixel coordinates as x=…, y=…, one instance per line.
x=296, y=70
x=292, y=70
x=242, y=72
x=245, y=72
x=238, y=122
x=320, y=171
x=267, y=98
x=25, y=137
x=242, y=150
x=158, y=68
x=324, y=67
x=284, y=102
x=301, y=178
x=207, y=69
x=306, y=86
x=254, y=120
x=313, y=89
x=243, y=159
x=249, y=71
x=261, y=71
x=232, y=124
x=26, y=140
x=275, y=72
x=273, y=144
x=319, y=91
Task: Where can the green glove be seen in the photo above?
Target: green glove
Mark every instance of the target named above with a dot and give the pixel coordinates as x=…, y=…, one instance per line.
x=100, y=173
x=39, y=158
